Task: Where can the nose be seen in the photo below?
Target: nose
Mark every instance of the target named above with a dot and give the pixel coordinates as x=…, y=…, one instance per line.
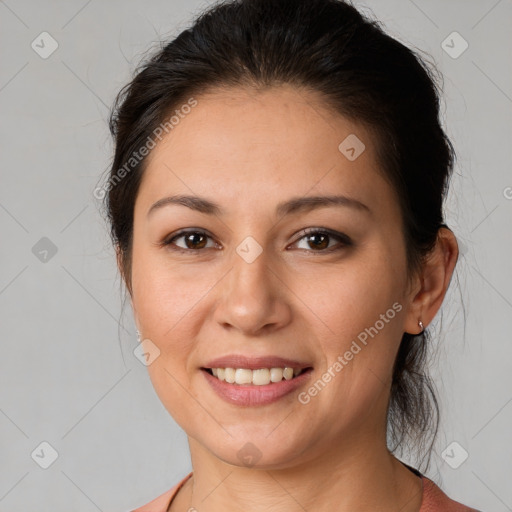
x=255, y=299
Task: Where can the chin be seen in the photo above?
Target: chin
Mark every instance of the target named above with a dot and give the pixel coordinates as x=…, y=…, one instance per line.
x=256, y=452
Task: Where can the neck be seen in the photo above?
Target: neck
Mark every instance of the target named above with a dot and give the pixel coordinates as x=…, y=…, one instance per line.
x=362, y=478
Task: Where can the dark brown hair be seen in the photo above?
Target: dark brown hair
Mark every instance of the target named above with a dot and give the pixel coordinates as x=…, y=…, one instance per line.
x=362, y=73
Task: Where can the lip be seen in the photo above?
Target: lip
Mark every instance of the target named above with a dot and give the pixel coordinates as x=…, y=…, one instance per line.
x=254, y=363
x=251, y=395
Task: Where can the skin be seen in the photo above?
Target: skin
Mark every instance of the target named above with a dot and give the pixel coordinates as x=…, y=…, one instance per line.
x=249, y=150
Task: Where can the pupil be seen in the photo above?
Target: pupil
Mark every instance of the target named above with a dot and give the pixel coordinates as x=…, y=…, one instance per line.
x=322, y=244
x=192, y=239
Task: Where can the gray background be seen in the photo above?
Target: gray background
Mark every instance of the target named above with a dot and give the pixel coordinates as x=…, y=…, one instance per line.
x=68, y=373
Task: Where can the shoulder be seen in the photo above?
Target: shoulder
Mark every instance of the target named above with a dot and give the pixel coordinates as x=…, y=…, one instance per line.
x=161, y=504
x=435, y=500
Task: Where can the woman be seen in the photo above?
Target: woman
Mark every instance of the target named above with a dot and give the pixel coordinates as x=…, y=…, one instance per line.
x=275, y=201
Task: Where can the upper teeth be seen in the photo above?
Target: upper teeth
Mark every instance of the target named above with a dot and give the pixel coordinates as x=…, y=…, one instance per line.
x=258, y=377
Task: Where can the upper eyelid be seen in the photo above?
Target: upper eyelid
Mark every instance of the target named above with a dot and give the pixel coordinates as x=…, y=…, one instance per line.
x=342, y=238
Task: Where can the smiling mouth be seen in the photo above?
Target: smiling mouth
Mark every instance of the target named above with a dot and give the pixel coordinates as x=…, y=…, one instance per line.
x=257, y=377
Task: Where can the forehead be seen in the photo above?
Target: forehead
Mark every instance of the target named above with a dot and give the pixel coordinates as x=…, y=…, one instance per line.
x=246, y=146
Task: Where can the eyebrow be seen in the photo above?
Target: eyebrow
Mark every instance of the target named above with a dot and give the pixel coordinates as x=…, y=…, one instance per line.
x=294, y=205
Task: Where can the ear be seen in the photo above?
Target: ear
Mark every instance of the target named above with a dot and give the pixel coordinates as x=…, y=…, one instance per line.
x=432, y=282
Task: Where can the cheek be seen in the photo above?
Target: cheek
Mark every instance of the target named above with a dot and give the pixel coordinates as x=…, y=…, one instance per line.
x=163, y=294
x=357, y=360
x=164, y=301
x=361, y=311
x=354, y=296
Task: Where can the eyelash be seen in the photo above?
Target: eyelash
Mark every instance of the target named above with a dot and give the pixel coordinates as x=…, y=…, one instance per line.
x=344, y=240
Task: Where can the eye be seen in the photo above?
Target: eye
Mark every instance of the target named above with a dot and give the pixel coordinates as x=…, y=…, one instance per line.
x=194, y=239
x=318, y=240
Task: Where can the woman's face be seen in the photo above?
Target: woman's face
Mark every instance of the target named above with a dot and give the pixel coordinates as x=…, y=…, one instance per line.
x=252, y=283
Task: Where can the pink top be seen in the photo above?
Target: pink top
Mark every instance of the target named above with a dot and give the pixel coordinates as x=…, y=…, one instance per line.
x=434, y=499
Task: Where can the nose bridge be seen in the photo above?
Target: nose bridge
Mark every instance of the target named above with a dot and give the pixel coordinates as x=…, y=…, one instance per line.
x=250, y=279
x=251, y=297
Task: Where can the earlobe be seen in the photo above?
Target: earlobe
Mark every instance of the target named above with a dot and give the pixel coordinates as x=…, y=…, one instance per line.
x=435, y=279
